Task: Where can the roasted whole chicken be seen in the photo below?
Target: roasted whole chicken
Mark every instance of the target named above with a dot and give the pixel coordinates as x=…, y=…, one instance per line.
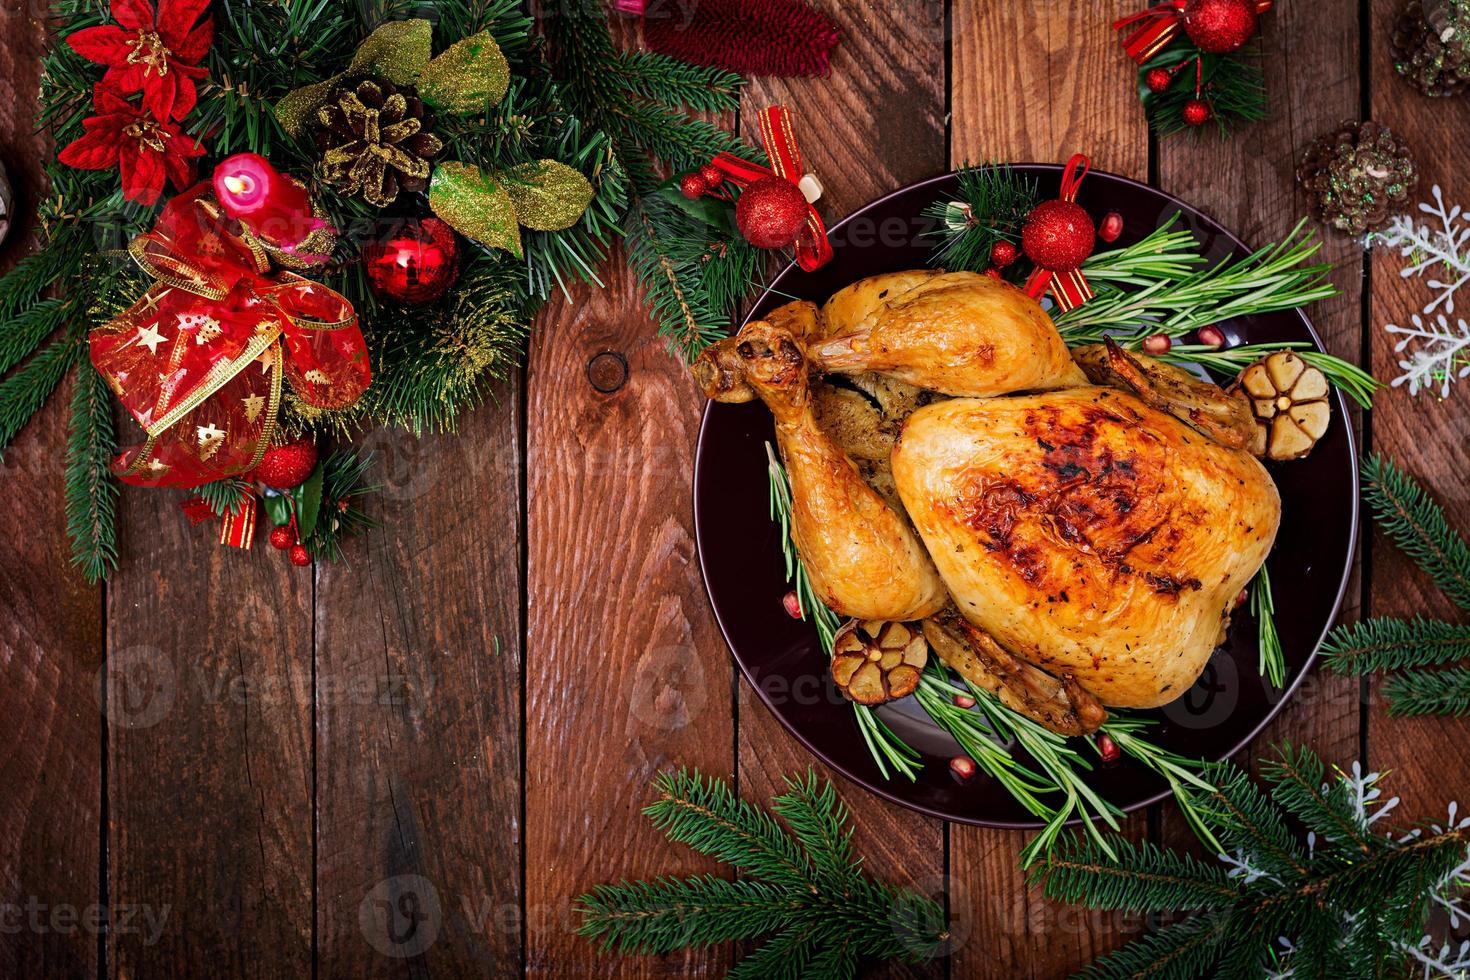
x=1070, y=529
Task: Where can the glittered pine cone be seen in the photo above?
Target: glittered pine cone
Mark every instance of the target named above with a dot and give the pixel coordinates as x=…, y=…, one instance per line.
x=376, y=140
x=1431, y=45
x=1357, y=176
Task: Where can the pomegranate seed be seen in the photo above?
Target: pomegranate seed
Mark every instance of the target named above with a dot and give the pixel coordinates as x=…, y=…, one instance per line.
x=963, y=701
x=1212, y=335
x=1158, y=343
x=962, y=766
x=993, y=272
x=1243, y=598
x=1111, y=227
x=1108, y=748
x=792, y=604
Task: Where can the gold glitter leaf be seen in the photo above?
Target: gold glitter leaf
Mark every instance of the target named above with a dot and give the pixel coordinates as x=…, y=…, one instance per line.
x=470, y=76
x=475, y=205
x=548, y=195
x=397, y=51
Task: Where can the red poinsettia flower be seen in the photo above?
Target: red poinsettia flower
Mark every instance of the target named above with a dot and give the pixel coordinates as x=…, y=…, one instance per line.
x=153, y=52
x=146, y=150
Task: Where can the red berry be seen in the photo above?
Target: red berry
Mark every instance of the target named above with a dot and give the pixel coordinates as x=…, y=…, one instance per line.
x=692, y=186
x=1058, y=235
x=962, y=766
x=1158, y=343
x=963, y=701
x=792, y=605
x=1197, y=112
x=299, y=555
x=1212, y=335
x=1111, y=227
x=1157, y=79
x=1243, y=598
x=993, y=272
x=282, y=538
x=712, y=176
x=1107, y=748
x=284, y=467
x=1003, y=253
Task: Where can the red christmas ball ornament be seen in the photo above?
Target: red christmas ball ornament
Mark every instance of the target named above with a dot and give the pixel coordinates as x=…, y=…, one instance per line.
x=1158, y=79
x=1058, y=235
x=282, y=538
x=417, y=263
x=993, y=273
x=713, y=176
x=771, y=212
x=1003, y=253
x=1197, y=112
x=693, y=185
x=284, y=467
x=1219, y=26
x=299, y=555
x=1111, y=227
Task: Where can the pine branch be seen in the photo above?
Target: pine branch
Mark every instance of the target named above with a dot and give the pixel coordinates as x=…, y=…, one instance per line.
x=91, y=491
x=824, y=913
x=24, y=393
x=344, y=485
x=224, y=496
x=1176, y=952
x=1435, y=692
x=659, y=78
x=1136, y=877
x=1298, y=781
x=1394, y=644
x=1417, y=524
x=991, y=204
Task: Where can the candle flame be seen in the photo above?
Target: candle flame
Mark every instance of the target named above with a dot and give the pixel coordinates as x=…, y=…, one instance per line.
x=238, y=184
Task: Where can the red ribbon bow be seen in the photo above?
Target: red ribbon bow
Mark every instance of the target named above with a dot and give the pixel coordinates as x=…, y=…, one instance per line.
x=1160, y=24
x=1069, y=287
x=813, y=250
x=199, y=359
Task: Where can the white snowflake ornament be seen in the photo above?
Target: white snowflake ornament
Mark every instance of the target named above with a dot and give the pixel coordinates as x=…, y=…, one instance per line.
x=1439, y=247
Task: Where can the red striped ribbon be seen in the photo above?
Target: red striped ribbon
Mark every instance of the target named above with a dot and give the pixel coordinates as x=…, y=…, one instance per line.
x=1069, y=287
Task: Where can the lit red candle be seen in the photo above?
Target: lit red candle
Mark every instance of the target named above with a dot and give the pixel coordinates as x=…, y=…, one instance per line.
x=272, y=205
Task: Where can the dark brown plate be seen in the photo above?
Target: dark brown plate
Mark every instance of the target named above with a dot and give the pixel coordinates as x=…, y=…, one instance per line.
x=740, y=550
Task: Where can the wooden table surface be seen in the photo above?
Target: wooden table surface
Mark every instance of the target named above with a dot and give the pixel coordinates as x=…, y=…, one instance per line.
x=468, y=711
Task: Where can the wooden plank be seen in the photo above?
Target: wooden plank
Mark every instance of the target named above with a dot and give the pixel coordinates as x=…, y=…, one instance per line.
x=875, y=124
x=51, y=637
x=1248, y=184
x=626, y=673
x=210, y=751
x=418, y=712
x=1035, y=83
x=1429, y=758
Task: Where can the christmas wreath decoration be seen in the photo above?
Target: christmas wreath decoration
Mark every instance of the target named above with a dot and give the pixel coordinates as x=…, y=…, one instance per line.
x=271, y=223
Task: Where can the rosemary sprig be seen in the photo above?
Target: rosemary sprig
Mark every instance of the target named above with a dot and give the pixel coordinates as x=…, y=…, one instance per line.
x=1269, y=279
x=991, y=205
x=885, y=745
x=1354, y=382
x=1180, y=772
x=1263, y=607
x=1162, y=254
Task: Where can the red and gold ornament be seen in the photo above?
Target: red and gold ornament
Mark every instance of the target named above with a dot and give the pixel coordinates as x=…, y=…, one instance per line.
x=416, y=263
x=1058, y=237
x=768, y=212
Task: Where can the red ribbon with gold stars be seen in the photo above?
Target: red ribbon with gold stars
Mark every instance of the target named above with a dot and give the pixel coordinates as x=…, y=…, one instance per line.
x=198, y=361
x=1153, y=29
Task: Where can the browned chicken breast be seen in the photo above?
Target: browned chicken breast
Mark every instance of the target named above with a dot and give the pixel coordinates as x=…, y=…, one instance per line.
x=1088, y=533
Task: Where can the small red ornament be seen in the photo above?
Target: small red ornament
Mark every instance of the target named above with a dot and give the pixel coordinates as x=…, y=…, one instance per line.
x=1158, y=79
x=993, y=272
x=693, y=185
x=1111, y=227
x=282, y=538
x=299, y=555
x=1003, y=253
x=416, y=263
x=1197, y=112
x=1058, y=235
x=712, y=176
x=1219, y=26
x=771, y=212
x=284, y=467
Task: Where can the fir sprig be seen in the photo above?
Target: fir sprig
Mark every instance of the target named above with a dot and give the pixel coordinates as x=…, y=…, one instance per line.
x=1271, y=278
x=1413, y=651
x=1354, y=902
x=809, y=894
x=990, y=205
x=91, y=491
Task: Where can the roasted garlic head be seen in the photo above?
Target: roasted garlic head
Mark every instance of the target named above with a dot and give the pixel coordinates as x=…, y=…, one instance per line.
x=874, y=662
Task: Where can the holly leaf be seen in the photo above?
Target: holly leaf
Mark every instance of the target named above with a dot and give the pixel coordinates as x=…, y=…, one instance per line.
x=706, y=210
x=278, y=508
x=547, y=195
x=470, y=76
x=475, y=205
x=308, y=502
